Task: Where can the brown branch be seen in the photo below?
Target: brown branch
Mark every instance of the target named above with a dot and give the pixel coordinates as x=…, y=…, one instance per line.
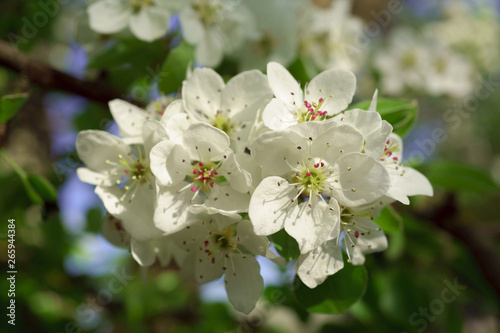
x=45, y=76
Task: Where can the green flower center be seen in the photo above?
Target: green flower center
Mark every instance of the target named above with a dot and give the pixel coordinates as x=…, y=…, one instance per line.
x=311, y=179
x=222, y=122
x=207, y=12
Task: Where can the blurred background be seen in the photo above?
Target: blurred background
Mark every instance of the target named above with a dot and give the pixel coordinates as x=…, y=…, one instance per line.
x=441, y=272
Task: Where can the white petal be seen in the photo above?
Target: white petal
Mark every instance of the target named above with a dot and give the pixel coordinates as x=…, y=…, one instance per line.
x=284, y=86
x=143, y=252
x=171, y=211
x=256, y=245
x=205, y=142
x=360, y=178
x=210, y=49
x=244, y=94
x=244, y=284
x=278, y=116
x=191, y=26
x=150, y=23
x=129, y=117
x=314, y=225
x=201, y=93
x=276, y=152
x=365, y=122
x=152, y=133
x=136, y=215
x=95, y=178
x=109, y=16
x=408, y=183
x=314, y=267
x=238, y=178
x=205, y=269
x=271, y=206
x=112, y=229
x=375, y=142
x=170, y=163
x=335, y=86
x=226, y=199
x=373, y=105
x=372, y=242
x=96, y=147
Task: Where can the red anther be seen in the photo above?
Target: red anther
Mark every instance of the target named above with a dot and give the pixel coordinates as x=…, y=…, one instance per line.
x=322, y=164
x=308, y=174
x=206, y=243
x=212, y=184
x=213, y=260
x=395, y=158
x=194, y=189
x=321, y=100
x=313, y=117
x=316, y=165
x=195, y=172
x=356, y=234
x=139, y=169
x=126, y=171
x=201, y=164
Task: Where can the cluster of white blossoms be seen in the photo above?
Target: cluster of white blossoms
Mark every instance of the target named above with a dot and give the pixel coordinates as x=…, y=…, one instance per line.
x=254, y=32
x=204, y=179
x=417, y=63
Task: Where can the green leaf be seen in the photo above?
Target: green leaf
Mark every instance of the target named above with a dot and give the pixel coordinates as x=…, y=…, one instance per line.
x=30, y=190
x=9, y=105
x=43, y=187
x=174, y=69
x=458, y=176
x=337, y=294
x=389, y=220
x=286, y=246
x=302, y=69
x=401, y=114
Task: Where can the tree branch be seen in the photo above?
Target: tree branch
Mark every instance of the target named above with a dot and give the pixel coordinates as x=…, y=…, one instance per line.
x=45, y=76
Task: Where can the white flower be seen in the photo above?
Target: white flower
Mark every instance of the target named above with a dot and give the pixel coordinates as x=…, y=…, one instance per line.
x=404, y=63
x=123, y=177
x=147, y=19
x=370, y=124
x=449, y=74
x=230, y=107
x=200, y=171
x=313, y=167
x=145, y=252
x=275, y=38
x=405, y=181
x=130, y=118
x=330, y=36
x=359, y=236
x=220, y=245
x=326, y=95
x=215, y=27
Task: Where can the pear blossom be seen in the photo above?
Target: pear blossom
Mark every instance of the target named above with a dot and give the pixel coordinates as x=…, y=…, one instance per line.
x=215, y=27
x=274, y=40
x=123, y=177
x=403, y=63
x=146, y=252
x=201, y=171
x=311, y=168
x=224, y=245
x=328, y=35
x=405, y=181
x=359, y=235
x=230, y=107
x=327, y=94
x=131, y=118
x=147, y=19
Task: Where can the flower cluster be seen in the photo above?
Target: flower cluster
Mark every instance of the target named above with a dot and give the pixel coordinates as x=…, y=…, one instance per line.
x=252, y=32
x=204, y=179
